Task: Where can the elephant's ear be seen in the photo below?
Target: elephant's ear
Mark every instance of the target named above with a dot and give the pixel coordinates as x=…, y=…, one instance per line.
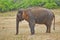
x=25, y=15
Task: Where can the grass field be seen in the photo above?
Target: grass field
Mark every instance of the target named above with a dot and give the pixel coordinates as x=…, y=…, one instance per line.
x=8, y=28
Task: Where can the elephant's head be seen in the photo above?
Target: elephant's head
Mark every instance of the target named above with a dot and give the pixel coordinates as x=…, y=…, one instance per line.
x=18, y=19
x=21, y=15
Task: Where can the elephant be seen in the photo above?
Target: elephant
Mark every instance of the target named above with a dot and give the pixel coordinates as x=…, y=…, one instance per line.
x=35, y=15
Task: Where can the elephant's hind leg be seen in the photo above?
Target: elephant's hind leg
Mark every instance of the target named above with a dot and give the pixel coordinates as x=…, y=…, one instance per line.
x=48, y=25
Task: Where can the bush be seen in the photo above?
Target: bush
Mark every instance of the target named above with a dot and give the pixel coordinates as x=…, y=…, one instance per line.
x=57, y=2
x=8, y=5
x=50, y=5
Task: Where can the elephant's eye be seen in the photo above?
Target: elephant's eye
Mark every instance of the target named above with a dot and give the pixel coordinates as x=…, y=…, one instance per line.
x=19, y=12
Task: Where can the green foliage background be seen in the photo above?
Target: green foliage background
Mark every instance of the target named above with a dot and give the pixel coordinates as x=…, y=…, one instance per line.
x=8, y=5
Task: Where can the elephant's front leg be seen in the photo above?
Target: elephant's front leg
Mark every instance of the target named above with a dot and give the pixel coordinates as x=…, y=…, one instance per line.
x=32, y=26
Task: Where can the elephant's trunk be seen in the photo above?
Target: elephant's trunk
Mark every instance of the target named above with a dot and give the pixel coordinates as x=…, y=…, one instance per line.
x=17, y=26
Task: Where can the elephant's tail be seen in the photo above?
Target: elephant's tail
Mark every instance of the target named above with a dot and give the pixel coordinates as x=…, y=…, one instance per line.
x=54, y=23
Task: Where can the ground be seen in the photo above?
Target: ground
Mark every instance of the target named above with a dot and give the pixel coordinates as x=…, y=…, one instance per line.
x=8, y=28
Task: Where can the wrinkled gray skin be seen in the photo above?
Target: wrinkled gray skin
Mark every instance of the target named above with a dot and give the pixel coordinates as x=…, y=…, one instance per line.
x=35, y=16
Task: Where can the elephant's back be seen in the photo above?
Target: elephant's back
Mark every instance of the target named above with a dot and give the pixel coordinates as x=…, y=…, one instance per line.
x=37, y=12
x=41, y=15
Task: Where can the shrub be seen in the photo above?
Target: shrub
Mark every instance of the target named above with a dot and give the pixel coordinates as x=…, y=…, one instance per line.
x=50, y=5
x=8, y=5
x=57, y=2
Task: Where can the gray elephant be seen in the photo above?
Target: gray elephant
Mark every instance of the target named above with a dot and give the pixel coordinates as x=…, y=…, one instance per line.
x=35, y=15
